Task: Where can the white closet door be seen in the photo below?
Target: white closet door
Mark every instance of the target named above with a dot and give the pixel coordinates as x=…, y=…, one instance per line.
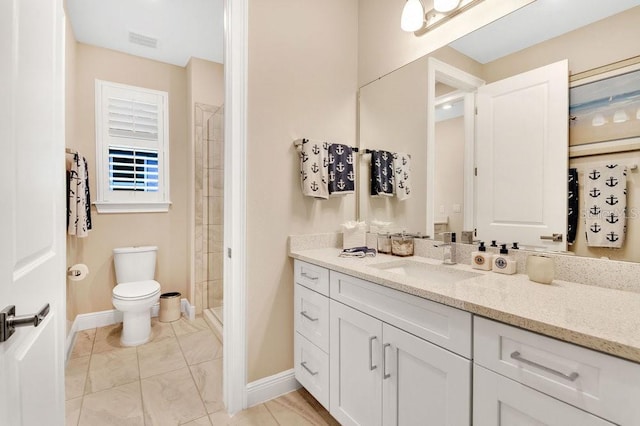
x=522, y=157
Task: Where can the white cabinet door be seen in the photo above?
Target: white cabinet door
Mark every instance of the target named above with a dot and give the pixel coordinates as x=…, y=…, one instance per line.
x=355, y=367
x=32, y=210
x=498, y=400
x=522, y=157
x=423, y=383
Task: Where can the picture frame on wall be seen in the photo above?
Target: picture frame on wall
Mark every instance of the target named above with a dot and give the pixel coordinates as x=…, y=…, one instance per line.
x=604, y=107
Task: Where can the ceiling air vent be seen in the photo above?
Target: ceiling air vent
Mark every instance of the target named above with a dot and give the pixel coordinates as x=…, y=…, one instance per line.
x=143, y=40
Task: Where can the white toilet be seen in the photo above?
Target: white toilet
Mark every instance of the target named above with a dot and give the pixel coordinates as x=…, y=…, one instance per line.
x=136, y=291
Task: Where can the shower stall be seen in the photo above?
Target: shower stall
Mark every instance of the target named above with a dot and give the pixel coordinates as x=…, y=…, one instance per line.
x=209, y=208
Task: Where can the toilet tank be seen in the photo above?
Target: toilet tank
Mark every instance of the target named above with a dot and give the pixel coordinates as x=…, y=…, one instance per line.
x=135, y=263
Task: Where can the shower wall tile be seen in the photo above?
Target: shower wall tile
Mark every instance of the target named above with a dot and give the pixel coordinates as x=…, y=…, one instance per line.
x=215, y=237
x=215, y=293
x=216, y=154
x=215, y=266
x=198, y=298
x=215, y=211
x=216, y=185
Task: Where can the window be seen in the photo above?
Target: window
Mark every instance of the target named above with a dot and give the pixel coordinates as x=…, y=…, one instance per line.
x=132, y=149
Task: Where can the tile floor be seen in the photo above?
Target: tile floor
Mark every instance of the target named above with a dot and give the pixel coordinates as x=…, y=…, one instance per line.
x=175, y=379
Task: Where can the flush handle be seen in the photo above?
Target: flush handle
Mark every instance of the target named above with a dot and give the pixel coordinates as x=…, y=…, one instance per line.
x=9, y=321
x=556, y=238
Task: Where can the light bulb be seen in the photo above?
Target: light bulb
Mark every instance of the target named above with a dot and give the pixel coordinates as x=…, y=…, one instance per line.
x=445, y=6
x=447, y=106
x=638, y=114
x=412, y=16
x=620, y=116
x=598, y=120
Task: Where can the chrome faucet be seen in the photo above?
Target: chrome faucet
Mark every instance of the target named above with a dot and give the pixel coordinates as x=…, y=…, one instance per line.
x=448, y=248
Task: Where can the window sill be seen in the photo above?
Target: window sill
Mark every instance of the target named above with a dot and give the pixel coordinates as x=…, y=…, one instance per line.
x=153, y=207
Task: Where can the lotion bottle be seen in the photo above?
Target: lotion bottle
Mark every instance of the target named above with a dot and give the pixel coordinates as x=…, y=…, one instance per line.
x=480, y=259
x=502, y=263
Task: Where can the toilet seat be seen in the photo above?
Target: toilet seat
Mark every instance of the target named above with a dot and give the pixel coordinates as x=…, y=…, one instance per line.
x=136, y=290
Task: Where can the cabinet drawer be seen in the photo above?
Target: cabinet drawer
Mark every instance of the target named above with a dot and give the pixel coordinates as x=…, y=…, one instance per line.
x=600, y=384
x=443, y=325
x=502, y=401
x=312, y=369
x=311, y=316
x=311, y=276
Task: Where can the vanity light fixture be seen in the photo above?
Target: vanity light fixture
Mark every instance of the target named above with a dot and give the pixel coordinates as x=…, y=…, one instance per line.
x=598, y=120
x=414, y=19
x=620, y=116
x=412, y=16
x=445, y=6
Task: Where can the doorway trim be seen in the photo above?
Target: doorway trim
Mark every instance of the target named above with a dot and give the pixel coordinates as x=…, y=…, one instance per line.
x=235, y=147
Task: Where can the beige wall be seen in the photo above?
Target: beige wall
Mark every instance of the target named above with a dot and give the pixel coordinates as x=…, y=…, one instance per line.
x=302, y=82
x=384, y=47
x=166, y=230
x=604, y=42
x=393, y=117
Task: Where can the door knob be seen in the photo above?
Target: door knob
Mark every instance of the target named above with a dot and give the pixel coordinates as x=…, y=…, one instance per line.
x=9, y=321
x=556, y=238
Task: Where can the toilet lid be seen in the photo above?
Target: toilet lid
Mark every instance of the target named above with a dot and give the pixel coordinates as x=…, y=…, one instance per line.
x=136, y=289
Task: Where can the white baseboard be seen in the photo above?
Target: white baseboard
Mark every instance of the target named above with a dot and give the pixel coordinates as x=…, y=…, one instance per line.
x=113, y=316
x=271, y=387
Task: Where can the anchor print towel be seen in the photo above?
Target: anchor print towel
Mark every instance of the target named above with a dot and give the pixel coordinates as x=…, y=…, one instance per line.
x=314, y=169
x=341, y=171
x=382, y=173
x=402, y=178
x=605, y=205
x=79, y=203
x=572, y=206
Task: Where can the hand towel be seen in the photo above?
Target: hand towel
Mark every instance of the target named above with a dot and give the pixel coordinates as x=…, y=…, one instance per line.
x=402, y=178
x=314, y=169
x=572, y=206
x=606, y=205
x=79, y=210
x=381, y=173
x=341, y=172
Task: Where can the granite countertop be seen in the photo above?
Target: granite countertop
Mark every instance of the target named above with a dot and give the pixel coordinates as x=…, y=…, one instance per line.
x=599, y=318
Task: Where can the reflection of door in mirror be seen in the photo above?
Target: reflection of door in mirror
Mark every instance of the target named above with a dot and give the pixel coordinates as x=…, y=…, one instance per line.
x=450, y=148
x=521, y=154
x=449, y=175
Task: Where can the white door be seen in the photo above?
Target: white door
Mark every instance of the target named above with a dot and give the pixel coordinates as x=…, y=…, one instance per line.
x=499, y=401
x=32, y=209
x=423, y=383
x=522, y=158
x=355, y=369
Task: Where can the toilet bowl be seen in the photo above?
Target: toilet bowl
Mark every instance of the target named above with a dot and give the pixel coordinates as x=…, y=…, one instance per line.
x=136, y=292
x=135, y=300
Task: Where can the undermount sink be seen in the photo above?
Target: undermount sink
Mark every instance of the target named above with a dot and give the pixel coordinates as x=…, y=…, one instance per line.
x=434, y=273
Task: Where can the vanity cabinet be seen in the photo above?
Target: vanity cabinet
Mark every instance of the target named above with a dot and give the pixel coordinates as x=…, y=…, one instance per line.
x=524, y=378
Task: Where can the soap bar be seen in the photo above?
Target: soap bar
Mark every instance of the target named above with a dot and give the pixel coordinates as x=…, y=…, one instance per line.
x=540, y=269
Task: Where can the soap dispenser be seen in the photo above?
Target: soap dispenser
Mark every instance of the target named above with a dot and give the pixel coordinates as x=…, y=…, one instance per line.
x=502, y=263
x=480, y=259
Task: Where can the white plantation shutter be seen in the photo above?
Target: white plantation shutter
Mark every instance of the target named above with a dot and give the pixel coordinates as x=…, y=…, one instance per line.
x=133, y=119
x=132, y=148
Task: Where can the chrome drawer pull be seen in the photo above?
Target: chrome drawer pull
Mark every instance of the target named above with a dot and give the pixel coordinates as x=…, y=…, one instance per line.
x=311, y=277
x=371, y=366
x=304, y=314
x=304, y=365
x=384, y=361
x=571, y=377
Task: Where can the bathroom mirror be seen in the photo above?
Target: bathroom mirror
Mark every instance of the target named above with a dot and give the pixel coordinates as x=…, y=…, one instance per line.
x=393, y=113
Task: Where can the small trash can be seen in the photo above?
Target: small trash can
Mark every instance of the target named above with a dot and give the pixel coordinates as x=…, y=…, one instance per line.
x=169, y=307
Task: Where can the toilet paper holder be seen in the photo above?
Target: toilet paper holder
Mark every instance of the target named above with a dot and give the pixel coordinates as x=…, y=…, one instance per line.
x=78, y=272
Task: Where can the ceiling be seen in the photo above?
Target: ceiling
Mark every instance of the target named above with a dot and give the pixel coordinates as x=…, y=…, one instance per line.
x=539, y=21
x=182, y=28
